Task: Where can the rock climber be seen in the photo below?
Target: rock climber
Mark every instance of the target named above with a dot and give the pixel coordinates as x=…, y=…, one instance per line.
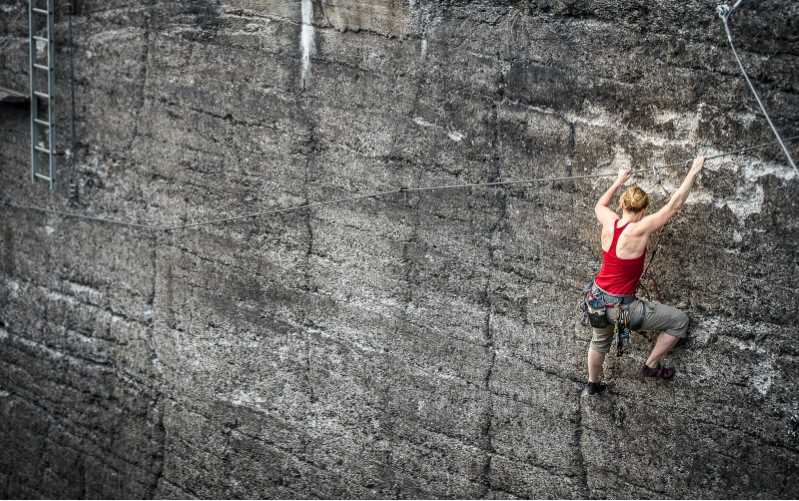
x=612, y=293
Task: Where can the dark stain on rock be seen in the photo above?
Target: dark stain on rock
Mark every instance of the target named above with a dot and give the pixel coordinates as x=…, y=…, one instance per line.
x=543, y=85
x=206, y=13
x=8, y=250
x=170, y=297
x=75, y=8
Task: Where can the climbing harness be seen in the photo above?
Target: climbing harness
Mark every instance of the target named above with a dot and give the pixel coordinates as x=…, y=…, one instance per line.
x=595, y=305
x=725, y=11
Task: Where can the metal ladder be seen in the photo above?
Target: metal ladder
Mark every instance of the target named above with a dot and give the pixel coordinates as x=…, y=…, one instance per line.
x=42, y=126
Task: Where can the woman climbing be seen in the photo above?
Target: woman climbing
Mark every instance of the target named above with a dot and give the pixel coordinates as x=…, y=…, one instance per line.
x=612, y=294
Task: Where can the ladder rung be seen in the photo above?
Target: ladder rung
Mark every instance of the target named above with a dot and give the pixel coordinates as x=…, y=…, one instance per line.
x=41, y=95
x=42, y=176
x=42, y=122
x=41, y=67
x=43, y=150
x=41, y=11
x=41, y=39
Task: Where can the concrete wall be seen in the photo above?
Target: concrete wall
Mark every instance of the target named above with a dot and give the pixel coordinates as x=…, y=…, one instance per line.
x=419, y=345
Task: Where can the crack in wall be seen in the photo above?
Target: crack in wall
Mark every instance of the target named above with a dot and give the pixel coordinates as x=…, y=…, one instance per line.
x=390, y=486
x=310, y=150
x=42, y=462
x=578, y=445
x=488, y=416
x=149, y=313
x=158, y=407
x=8, y=250
x=159, y=458
x=169, y=301
x=84, y=486
x=500, y=201
x=144, y=60
x=307, y=276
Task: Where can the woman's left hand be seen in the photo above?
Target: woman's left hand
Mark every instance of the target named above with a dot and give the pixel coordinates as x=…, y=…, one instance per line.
x=624, y=175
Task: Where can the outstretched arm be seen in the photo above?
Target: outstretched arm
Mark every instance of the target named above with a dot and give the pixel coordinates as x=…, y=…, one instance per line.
x=602, y=209
x=659, y=219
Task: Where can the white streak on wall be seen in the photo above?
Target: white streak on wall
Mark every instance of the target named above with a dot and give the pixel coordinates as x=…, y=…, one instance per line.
x=763, y=376
x=307, y=41
x=84, y=293
x=749, y=196
x=453, y=134
x=13, y=288
x=247, y=399
x=424, y=48
x=601, y=118
x=58, y=297
x=421, y=121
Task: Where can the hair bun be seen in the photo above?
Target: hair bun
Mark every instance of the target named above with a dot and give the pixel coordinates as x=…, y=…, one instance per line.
x=634, y=199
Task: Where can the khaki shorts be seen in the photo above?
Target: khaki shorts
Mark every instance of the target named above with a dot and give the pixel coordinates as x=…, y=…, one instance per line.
x=644, y=316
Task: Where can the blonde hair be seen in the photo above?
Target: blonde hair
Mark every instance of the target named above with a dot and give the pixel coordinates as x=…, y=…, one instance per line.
x=634, y=199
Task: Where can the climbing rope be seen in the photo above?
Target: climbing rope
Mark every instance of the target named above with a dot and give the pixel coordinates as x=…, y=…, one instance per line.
x=724, y=13
x=654, y=251
x=541, y=180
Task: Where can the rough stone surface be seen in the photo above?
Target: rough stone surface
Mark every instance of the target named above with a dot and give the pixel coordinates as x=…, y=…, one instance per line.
x=416, y=345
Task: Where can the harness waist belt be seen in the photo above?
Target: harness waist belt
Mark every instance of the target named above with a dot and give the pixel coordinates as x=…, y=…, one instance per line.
x=610, y=298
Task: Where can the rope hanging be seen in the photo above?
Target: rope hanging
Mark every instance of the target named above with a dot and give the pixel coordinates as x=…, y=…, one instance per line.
x=724, y=13
x=148, y=227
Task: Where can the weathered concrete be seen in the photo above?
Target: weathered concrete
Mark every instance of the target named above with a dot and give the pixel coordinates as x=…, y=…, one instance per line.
x=425, y=345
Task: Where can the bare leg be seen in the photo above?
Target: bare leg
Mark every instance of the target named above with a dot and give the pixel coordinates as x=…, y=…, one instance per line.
x=663, y=345
x=595, y=361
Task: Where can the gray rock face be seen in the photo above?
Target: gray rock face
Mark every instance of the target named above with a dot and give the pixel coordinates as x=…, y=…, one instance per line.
x=422, y=344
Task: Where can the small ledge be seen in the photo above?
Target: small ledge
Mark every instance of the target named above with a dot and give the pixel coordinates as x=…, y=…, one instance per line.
x=12, y=97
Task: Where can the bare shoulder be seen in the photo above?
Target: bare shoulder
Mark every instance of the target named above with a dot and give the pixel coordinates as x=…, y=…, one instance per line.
x=605, y=215
x=608, y=227
x=637, y=229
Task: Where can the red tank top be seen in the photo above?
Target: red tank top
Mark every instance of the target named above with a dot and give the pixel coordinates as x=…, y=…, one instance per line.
x=619, y=276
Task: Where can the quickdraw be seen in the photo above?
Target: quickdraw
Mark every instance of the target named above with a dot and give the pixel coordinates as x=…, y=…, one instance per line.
x=621, y=329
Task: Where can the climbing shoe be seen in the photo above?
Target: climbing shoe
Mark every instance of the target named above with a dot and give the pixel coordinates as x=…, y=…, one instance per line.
x=596, y=388
x=657, y=372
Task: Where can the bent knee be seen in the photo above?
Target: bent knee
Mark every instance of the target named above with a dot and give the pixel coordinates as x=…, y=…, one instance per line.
x=680, y=327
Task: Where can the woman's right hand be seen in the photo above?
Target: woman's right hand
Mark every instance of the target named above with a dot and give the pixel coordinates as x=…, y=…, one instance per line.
x=699, y=162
